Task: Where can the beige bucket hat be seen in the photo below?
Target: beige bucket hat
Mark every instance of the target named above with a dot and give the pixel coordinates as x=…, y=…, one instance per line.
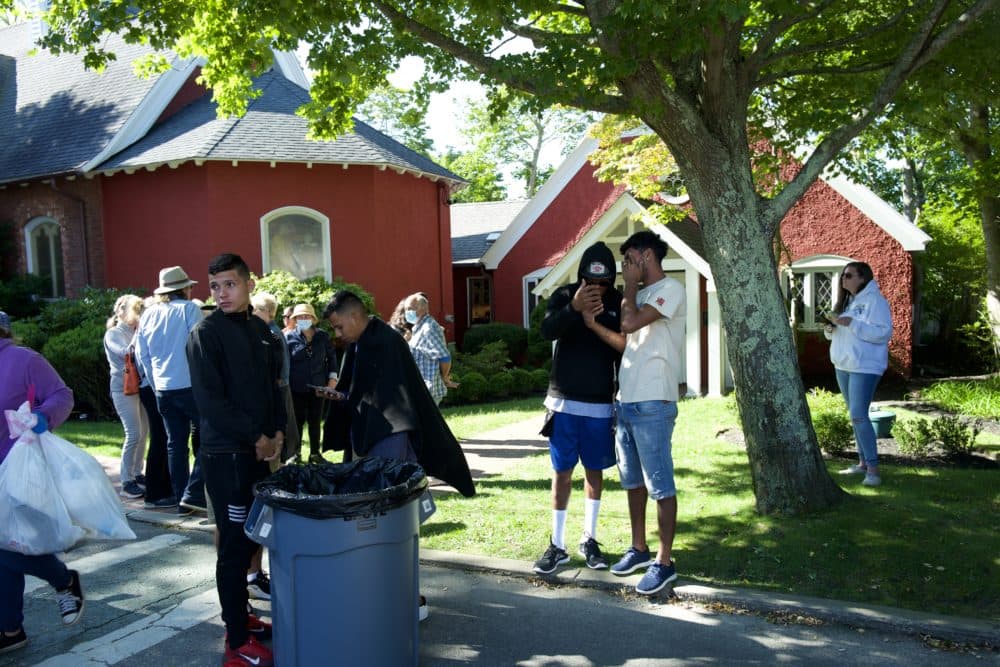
x=304, y=309
x=172, y=279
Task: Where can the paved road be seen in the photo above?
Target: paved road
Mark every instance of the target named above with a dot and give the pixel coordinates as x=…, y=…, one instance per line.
x=152, y=603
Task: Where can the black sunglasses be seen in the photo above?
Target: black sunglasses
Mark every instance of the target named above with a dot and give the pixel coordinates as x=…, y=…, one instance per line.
x=850, y=275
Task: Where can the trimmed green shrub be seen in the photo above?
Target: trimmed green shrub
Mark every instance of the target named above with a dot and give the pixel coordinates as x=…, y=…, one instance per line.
x=289, y=290
x=834, y=431
x=539, y=349
x=29, y=334
x=78, y=357
x=488, y=361
x=919, y=437
x=472, y=386
x=540, y=379
x=500, y=385
x=914, y=437
x=480, y=335
x=18, y=295
x=521, y=381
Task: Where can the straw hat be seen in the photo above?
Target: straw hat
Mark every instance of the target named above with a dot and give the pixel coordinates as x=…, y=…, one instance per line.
x=304, y=309
x=172, y=279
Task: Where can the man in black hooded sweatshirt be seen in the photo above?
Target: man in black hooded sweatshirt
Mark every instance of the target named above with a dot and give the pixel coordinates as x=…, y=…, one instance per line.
x=581, y=318
x=235, y=363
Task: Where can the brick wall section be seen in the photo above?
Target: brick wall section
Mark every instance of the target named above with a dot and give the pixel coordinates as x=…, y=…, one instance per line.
x=823, y=222
x=71, y=203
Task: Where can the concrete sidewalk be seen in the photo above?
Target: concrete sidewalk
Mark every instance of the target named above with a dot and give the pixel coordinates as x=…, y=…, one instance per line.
x=491, y=453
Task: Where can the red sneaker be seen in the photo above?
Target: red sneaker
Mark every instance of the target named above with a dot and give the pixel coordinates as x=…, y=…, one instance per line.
x=252, y=653
x=258, y=628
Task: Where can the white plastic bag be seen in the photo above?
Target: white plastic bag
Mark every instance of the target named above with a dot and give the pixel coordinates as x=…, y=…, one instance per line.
x=85, y=488
x=33, y=518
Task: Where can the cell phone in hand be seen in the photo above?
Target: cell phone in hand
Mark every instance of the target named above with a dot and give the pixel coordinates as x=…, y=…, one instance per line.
x=328, y=392
x=831, y=317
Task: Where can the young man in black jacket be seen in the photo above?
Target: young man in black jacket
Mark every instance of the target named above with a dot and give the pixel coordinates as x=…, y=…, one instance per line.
x=579, y=318
x=235, y=363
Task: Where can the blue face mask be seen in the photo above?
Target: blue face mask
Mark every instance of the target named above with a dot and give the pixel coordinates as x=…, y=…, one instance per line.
x=303, y=325
x=410, y=316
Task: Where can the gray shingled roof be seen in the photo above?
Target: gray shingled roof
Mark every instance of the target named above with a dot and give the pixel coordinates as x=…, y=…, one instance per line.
x=270, y=130
x=472, y=223
x=54, y=114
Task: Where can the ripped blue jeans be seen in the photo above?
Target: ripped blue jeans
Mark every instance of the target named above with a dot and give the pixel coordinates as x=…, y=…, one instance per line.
x=858, y=390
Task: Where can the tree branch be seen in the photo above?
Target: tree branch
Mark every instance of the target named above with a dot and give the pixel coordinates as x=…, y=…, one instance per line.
x=920, y=49
x=543, y=36
x=805, y=71
x=776, y=29
x=492, y=67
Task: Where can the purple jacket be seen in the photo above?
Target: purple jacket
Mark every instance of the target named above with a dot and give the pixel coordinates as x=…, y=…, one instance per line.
x=19, y=368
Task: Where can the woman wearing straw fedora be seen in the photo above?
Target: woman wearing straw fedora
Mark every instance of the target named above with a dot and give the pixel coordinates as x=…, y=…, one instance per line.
x=313, y=363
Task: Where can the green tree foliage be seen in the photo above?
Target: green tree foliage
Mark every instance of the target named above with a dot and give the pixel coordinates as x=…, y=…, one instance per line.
x=316, y=291
x=401, y=114
x=482, y=173
x=509, y=130
x=697, y=74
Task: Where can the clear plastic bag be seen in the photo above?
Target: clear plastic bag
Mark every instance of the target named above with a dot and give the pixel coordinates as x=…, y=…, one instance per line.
x=33, y=518
x=85, y=489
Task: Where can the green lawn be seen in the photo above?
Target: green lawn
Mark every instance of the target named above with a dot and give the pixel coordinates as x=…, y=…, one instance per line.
x=926, y=540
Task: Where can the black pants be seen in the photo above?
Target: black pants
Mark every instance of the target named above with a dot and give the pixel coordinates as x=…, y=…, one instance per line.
x=229, y=479
x=157, y=471
x=309, y=410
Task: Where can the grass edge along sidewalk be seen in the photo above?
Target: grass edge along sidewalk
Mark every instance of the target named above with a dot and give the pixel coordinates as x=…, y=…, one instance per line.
x=925, y=541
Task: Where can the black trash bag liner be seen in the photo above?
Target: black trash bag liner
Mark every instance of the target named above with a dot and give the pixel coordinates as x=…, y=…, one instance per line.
x=343, y=490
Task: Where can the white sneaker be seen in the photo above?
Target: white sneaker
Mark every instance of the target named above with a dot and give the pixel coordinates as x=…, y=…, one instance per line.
x=871, y=480
x=855, y=469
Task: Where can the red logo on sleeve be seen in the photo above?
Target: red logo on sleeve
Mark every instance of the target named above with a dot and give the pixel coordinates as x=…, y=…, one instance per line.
x=659, y=301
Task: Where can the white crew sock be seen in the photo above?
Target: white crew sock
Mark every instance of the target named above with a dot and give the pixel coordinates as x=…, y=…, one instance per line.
x=559, y=528
x=591, y=507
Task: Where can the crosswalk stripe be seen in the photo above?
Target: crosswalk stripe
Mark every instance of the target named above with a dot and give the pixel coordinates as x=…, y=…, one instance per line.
x=123, y=643
x=115, y=556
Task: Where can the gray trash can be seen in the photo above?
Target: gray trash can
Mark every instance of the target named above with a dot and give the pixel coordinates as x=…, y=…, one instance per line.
x=344, y=556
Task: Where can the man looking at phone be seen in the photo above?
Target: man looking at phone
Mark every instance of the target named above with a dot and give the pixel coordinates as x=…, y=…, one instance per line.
x=235, y=363
x=583, y=320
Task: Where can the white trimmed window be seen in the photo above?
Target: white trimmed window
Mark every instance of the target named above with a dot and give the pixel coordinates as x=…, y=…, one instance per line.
x=530, y=300
x=296, y=239
x=43, y=250
x=812, y=286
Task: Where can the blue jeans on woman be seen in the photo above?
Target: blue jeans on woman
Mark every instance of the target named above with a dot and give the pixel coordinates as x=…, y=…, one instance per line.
x=13, y=567
x=858, y=390
x=180, y=418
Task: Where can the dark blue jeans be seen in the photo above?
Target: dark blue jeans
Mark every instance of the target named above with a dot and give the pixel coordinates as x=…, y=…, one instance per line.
x=13, y=567
x=180, y=418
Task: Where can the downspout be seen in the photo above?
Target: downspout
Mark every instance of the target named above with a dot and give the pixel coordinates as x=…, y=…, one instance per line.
x=83, y=224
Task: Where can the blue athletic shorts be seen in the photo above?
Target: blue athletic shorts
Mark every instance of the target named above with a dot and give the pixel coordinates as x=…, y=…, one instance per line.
x=589, y=440
x=643, y=446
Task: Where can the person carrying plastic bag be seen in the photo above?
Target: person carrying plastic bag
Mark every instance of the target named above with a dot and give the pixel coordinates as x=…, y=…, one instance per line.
x=24, y=375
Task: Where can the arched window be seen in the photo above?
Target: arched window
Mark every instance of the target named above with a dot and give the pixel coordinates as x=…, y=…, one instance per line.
x=811, y=287
x=296, y=239
x=43, y=249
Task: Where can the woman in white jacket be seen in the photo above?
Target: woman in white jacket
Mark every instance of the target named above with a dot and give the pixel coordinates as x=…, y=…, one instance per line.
x=860, y=328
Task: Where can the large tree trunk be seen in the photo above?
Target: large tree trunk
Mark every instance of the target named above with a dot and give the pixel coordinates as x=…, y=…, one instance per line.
x=786, y=467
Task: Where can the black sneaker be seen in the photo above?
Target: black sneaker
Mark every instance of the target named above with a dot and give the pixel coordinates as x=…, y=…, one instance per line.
x=140, y=479
x=194, y=505
x=71, y=600
x=591, y=551
x=551, y=559
x=161, y=504
x=12, y=643
x=259, y=587
x=131, y=491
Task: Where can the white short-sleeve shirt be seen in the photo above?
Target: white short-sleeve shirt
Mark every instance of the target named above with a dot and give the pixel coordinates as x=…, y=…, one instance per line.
x=651, y=364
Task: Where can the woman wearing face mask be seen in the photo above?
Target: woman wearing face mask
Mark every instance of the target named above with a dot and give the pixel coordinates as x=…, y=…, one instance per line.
x=313, y=362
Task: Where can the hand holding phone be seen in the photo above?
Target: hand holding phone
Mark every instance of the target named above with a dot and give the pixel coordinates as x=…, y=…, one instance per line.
x=327, y=392
x=831, y=317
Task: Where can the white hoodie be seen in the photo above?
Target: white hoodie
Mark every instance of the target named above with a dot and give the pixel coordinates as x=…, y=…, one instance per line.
x=863, y=345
